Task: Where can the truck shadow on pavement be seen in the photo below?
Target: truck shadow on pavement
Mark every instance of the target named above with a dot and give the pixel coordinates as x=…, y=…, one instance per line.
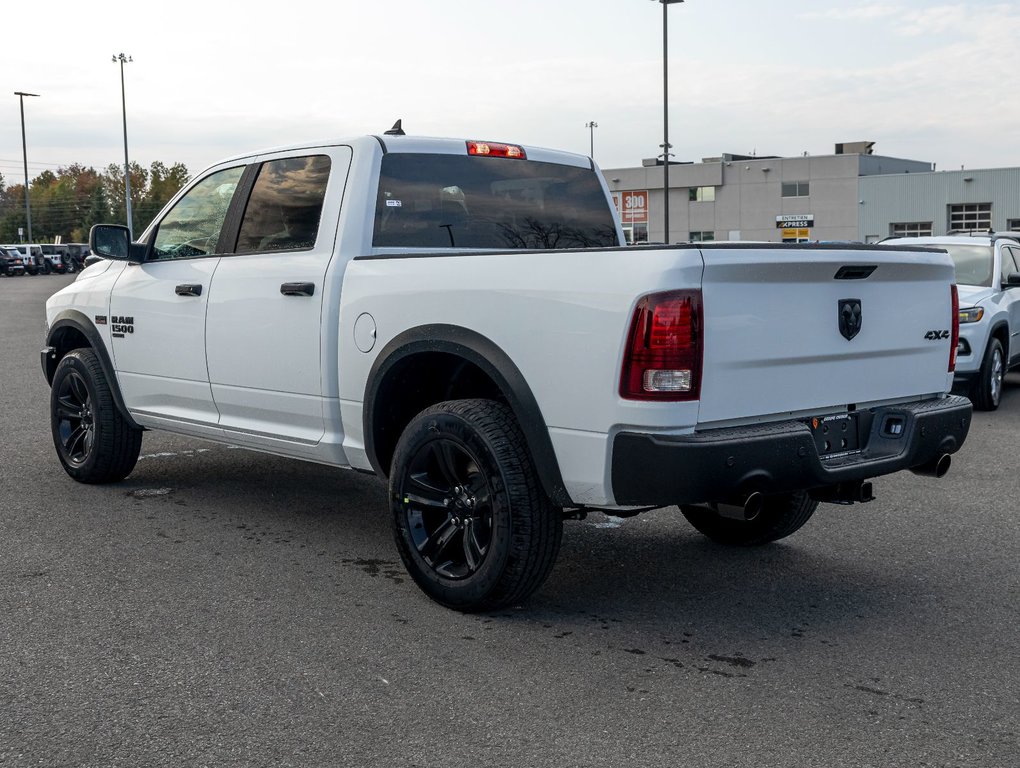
x=653, y=570
x=669, y=567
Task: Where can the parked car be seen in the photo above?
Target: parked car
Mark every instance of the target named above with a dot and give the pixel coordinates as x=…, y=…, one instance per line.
x=58, y=256
x=11, y=263
x=988, y=279
x=32, y=256
x=78, y=252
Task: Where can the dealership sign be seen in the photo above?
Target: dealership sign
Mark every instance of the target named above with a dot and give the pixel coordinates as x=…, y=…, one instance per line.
x=633, y=206
x=795, y=221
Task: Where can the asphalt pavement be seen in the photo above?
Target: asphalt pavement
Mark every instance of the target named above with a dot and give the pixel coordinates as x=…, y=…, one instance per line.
x=228, y=608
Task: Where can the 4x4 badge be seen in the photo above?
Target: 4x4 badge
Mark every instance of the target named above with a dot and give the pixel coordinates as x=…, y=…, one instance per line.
x=850, y=317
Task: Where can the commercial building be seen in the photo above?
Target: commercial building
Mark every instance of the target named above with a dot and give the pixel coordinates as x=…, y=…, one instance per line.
x=852, y=194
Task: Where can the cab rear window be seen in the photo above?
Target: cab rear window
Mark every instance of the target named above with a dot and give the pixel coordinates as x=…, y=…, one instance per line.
x=453, y=201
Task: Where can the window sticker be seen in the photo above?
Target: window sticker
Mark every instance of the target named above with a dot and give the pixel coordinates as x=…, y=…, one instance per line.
x=393, y=204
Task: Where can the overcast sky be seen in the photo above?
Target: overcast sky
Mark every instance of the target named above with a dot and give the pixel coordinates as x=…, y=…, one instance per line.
x=925, y=81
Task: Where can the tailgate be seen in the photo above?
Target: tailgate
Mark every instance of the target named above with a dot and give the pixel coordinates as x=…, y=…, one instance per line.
x=775, y=342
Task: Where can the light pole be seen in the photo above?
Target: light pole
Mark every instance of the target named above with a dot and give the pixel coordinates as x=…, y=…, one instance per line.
x=127, y=168
x=591, y=130
x=24, y=153
x=665, y=119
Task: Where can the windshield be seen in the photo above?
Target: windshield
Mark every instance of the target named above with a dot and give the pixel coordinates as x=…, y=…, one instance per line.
x=455, y=201
x=973, y=263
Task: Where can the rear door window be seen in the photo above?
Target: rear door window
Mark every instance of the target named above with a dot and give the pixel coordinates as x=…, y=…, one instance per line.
x=285, y=206
x=454, y=201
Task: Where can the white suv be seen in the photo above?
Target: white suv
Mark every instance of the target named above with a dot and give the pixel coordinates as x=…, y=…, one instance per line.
x=988, y=279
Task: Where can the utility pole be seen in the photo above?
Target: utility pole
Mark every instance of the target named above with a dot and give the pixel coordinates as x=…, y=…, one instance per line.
x=666, y=146
x=127, y=168
x=591, y=126
x=24, y=153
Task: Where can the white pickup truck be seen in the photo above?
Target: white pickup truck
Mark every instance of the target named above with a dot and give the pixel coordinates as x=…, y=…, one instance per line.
x=463, y=318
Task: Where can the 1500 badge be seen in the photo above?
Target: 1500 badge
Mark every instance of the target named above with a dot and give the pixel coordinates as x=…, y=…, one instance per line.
x=122, y=324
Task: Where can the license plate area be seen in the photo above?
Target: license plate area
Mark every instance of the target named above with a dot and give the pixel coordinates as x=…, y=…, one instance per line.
x=837, y=435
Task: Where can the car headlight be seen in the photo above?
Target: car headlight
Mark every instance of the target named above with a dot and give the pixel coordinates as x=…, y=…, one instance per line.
x=971, y=314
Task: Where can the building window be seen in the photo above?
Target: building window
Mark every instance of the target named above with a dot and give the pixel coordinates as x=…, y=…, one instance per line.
x=796, y=189
x=1013, y=225
x=701, y=237
x=911, y=229
x=701, y=194
x=636, y=234
x=970, y=216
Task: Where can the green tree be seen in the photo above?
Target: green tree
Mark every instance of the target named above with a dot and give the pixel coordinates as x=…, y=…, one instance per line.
x=48, y=205
x=164, y=183
x=97, y=211
x=66, y=203
x=113, y=180
x=12, y=212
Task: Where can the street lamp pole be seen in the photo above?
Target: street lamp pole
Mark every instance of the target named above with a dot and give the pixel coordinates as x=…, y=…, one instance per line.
x=24, y=153
x=591, y=126
x=665, y=119
x=127, y=168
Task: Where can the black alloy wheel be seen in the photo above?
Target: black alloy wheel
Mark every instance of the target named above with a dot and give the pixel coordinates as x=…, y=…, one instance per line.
x=94, y=441
x=471, y=521
x=75, y=424
x=448, y=508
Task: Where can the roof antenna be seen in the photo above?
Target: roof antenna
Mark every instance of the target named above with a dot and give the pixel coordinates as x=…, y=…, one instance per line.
x=396, y=130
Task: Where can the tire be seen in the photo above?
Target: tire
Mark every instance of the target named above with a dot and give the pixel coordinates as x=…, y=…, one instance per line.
x=780, y=515
x=94, y=442
x=472, y=524
x=987, y=392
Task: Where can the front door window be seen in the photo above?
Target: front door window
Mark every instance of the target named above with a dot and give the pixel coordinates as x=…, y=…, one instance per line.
x=192, y=227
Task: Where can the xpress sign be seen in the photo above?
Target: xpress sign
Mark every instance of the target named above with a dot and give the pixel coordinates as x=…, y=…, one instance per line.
x=795, y=221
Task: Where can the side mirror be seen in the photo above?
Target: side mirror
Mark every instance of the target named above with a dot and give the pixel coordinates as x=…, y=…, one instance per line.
x=1013, y=280
x=113, y=241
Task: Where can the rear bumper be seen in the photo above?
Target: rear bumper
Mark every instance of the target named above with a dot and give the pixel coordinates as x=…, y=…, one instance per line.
x=723, y=464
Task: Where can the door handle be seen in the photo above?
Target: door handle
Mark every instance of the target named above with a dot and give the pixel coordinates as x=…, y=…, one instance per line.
x=298, y=289
x=188, y=289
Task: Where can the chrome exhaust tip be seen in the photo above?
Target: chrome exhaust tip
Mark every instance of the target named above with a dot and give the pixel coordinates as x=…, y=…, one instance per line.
x=745, y=508
x=937, y=467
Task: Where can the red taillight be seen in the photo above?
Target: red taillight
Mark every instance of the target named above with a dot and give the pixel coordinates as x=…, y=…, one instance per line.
x=662, y=360
x=492, y=149
x=956, y=328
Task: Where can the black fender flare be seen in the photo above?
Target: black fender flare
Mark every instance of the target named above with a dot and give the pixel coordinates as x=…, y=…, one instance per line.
x=1007, y=352
x=497, y=365
x=72, y=318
